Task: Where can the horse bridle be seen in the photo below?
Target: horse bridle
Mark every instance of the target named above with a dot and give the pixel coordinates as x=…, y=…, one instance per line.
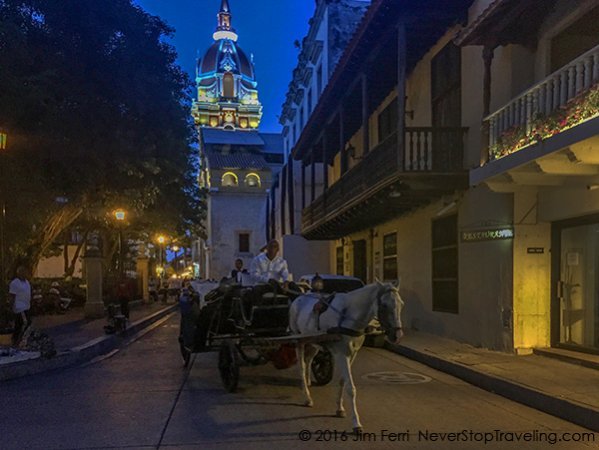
x=379, y=299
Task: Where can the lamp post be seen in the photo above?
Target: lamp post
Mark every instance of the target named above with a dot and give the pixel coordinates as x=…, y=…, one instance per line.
x=119, y=215
x=161, y=240
x=3, y=141
x=175, y=249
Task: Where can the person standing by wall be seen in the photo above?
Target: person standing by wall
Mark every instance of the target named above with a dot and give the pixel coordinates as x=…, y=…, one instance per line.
x=19, y=294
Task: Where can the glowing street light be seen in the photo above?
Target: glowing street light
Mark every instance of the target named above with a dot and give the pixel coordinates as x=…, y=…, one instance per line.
x=119, y=215
x=161, y=239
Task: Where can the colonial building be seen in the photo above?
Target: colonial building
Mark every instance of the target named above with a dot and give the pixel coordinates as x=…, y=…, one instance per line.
x=331, y=28
x=492, y=228
x=540, y=152
x=237, y=162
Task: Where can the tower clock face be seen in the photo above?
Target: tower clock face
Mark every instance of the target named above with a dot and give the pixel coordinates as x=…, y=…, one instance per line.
x=228, y=117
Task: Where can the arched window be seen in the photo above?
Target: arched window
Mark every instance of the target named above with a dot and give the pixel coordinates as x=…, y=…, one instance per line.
x=228, y=86
x=252, y=180
x=229, y=179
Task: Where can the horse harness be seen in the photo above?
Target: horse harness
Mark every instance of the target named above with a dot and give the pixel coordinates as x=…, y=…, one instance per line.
x=325, y=302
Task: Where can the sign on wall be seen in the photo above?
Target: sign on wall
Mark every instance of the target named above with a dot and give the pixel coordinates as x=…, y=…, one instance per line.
x=488, y=234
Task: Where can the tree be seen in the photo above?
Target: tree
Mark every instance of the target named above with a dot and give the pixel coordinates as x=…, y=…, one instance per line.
x=98, y=114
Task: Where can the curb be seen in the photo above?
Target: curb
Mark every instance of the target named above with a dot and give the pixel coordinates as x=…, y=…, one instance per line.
x=83, y=353
x=565, y=409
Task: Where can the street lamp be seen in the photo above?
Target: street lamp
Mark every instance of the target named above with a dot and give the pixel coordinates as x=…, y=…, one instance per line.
x=161, y=240
x=119, y=215
x=3, y=145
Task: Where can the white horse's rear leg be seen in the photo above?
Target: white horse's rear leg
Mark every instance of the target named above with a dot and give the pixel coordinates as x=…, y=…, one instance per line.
x=302, y=364
x=310, y=352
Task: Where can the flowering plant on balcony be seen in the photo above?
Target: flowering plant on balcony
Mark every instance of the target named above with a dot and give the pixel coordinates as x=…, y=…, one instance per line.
x=579, y=109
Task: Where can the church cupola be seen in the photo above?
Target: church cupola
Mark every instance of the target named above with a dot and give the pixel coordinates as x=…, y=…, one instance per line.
x=224, y=30
x=226, y=82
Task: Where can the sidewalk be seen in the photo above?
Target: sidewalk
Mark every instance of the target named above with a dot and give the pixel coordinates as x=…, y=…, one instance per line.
x=72, y=329
x=78, y=340
x=564, y=389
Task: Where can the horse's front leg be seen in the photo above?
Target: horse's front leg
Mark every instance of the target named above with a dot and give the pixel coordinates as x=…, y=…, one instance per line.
x=301, y=350
x=340, y=408
x=344, y=363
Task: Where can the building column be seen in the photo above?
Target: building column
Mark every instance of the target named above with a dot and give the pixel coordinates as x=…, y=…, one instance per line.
x=344, y=160
x=313, y=176
x=268, y=207
x=303, y=184
x=283, y=200
x=531, y=275
x=94, y=303
x=488, y=54
x=401, y=93
x=143, y=274
x=325, y=164
x=365, y=116
x=291, y=195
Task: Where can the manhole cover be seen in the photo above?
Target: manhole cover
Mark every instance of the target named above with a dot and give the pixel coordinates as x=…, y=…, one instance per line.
x=397, y=377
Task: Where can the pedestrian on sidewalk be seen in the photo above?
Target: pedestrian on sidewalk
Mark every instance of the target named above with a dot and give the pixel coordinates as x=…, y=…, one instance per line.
x=19, y=294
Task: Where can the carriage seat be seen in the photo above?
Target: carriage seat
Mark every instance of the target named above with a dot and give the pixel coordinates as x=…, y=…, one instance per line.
x=270, y=310
x=270, y=298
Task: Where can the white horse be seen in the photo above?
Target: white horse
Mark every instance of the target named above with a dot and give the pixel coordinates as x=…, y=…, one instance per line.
x=348, y=314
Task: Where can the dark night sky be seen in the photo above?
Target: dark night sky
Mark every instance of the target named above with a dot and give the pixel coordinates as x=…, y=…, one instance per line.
x=266, y=28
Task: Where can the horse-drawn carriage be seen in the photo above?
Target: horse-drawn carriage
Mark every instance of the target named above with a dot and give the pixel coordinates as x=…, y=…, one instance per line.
x=249, y=329
x=325, y=329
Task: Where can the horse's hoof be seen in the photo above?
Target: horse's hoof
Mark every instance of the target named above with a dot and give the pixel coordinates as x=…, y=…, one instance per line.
x=309, y=403
x=358, y=430
x=341, y=413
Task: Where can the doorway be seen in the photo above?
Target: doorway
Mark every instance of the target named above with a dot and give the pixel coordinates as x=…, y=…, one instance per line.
x=360, y=262
x=576, y=302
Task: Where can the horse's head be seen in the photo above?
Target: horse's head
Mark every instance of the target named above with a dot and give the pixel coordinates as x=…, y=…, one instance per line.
x=389, y=305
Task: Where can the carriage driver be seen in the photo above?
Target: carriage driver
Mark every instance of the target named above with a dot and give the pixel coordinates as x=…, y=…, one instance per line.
x=268, y=266
x=269, y=272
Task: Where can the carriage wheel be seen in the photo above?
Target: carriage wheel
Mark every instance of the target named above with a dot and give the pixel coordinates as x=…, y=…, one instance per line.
x=322, y=367
x=228, y=366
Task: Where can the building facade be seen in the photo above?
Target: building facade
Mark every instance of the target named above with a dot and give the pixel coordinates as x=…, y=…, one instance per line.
x=458, y=154
x=237, y=162
x=331, y=28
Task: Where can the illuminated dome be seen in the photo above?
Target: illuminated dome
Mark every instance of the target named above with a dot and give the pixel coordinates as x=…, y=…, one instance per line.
x=226, y=82
x=226, y=56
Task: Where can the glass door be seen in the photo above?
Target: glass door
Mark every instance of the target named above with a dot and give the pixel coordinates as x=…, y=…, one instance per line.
x=578, y=290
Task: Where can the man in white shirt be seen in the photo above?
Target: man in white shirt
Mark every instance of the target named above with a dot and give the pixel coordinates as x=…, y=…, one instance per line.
x=19, y=293
x=268, y=266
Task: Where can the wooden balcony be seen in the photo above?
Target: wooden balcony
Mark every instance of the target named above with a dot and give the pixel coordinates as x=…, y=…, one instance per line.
x=389, y=181
x=542, y=111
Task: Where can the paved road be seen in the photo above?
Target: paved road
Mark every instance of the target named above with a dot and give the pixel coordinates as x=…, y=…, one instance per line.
x=141, y=398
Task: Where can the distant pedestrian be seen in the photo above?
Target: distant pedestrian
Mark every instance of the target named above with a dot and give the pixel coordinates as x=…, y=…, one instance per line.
x=123, y=295
x=19, y=293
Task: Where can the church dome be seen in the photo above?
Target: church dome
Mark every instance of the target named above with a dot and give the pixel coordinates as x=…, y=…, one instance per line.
x=226, y=82
x=226, y=56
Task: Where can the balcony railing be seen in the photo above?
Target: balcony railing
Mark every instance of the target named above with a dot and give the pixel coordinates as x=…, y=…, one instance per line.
x=427, y=150
x=544, y=99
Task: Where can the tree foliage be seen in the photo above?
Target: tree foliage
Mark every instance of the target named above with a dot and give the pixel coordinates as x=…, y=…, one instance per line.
x=97, y=113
